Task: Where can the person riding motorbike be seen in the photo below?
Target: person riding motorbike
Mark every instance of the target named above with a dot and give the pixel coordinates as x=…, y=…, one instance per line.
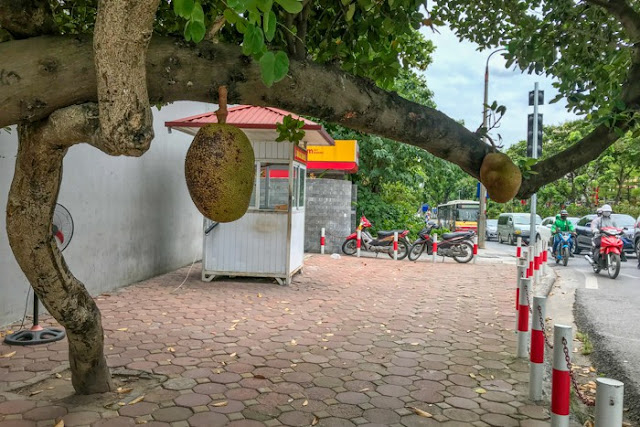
x=593, y=223
x=597, y=225
x=562, y=224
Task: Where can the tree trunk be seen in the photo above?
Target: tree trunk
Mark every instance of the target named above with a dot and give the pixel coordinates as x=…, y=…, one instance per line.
x=32, y=200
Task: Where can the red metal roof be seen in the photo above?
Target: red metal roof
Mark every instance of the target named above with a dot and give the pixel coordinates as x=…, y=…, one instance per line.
x=245, y=116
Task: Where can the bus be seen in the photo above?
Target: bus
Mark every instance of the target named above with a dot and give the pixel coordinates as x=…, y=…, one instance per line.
x=459, y=215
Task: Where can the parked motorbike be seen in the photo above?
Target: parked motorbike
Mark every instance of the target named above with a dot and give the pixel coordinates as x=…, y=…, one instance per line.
x=564, y=248
x=382, y=243
x=457, y=245
x=610, y=252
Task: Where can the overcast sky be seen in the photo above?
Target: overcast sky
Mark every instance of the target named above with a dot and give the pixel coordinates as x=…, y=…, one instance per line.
x=456, y=77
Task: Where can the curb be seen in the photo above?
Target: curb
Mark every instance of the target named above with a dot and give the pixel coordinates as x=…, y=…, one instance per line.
x=546, y=284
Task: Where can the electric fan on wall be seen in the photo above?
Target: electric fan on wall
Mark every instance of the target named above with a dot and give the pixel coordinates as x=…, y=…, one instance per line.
x=62, y=229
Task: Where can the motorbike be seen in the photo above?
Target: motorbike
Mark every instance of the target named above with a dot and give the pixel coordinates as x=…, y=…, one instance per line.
x=457, y=245
x=609, y=256
x=564, y=248
x=382, y=243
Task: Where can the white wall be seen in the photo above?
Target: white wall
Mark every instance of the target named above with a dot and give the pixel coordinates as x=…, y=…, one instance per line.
x=133, y=217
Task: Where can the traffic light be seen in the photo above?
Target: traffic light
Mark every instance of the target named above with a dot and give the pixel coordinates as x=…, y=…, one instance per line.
x=530, y=135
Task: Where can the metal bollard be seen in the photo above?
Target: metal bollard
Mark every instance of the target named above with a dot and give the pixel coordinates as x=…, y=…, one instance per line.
x=358, y=241
x=475, y=248
x=523, y=319
x=435, y=247
x=536, y=368
x=609, y=402
x=322, y=240
x=519, y=248
x=531, y=252
x=395, y=245
x=536, y=262
x=561, y=377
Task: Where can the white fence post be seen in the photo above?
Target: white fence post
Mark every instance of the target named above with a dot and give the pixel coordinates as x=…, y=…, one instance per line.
x=536, y=368
x=519, y=248
x=358, y=241
x=609, y=402
x=523, y=319
x=561, y=377
x=522, y=274
x=322, y=241
x=395, y=245
x=475, y=248
x=435, y=247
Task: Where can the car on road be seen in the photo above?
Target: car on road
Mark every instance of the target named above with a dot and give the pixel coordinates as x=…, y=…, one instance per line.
x=636, y=236
x=513, y=225
x=492, y=229
x=583, y=230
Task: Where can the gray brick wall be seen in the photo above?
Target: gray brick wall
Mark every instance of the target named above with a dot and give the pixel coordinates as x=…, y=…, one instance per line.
x=329, y=206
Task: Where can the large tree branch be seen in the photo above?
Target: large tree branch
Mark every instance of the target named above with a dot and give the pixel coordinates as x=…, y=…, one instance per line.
x=577, y=155
x=26, y=18
x=176, y=71
x=625, y=13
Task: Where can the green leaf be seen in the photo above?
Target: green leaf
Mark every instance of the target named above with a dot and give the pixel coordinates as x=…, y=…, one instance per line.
x=291, y=6
x=253, y=41
x=281, y=65
x=351, y=11
x=187, y=31
x=267, y=68
x=269, y=24
x=230, y=16
x=197, y=14
x=198, y=31
x=183, y=8
x=265, y=5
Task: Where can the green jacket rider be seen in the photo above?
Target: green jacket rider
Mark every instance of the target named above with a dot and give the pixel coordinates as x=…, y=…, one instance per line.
x=561, y=224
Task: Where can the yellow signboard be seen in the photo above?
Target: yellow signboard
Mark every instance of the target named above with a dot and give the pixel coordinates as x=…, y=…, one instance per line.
x=343, y=151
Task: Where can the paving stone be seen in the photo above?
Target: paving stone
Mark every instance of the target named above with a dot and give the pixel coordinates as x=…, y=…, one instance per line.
x=115, y=422
x=208, y=419
x=171, y=414
x=74, y=419
x=460, y=415
x=179, y=384
x=191, y=400
x=296, y=418
x=500, y=420
x=16, y=406
x=138, y=410
x=17, y=423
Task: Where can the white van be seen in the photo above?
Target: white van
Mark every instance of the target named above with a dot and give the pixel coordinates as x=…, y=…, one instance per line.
x=511, y=225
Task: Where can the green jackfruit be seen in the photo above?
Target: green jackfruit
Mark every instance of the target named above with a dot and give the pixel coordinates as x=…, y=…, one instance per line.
x=220, y=172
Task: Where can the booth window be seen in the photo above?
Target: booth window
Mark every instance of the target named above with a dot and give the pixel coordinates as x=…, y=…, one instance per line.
x=274, y=186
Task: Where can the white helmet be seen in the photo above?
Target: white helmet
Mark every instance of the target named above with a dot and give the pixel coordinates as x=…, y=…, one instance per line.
x=606, y=210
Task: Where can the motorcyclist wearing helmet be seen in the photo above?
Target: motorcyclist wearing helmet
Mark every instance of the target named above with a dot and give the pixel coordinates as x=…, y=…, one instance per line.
x=594, y=223
x=561, y=224
x=597, y=225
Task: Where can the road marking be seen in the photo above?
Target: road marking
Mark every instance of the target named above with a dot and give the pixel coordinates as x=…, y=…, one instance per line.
x=630, y=276
x=591, y=282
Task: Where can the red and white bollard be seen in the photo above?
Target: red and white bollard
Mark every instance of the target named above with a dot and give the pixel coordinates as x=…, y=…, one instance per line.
x=561, y=377
x=519, y=248
x=435, y=247
x=609, y=402
x=536, y=368
x=358, y=241
x=530, y=257
x=537, y=261
x=523, y=319
x=475, y=248
x=522, y=271
x=395, y=245
x=322, y=240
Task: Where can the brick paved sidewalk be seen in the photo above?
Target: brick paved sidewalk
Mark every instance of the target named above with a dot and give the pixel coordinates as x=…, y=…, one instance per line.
x=350, y=342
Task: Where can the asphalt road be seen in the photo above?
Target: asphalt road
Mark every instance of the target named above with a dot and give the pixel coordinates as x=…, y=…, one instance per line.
x=609, y=312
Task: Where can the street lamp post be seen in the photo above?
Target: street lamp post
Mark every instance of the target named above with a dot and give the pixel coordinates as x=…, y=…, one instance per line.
x=482, y=217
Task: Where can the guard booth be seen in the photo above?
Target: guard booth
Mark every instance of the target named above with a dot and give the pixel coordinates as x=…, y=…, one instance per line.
x=268, y=241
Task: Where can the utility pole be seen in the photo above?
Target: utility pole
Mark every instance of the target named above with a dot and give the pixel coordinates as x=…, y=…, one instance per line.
x=482, y=214
x=534, y=148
